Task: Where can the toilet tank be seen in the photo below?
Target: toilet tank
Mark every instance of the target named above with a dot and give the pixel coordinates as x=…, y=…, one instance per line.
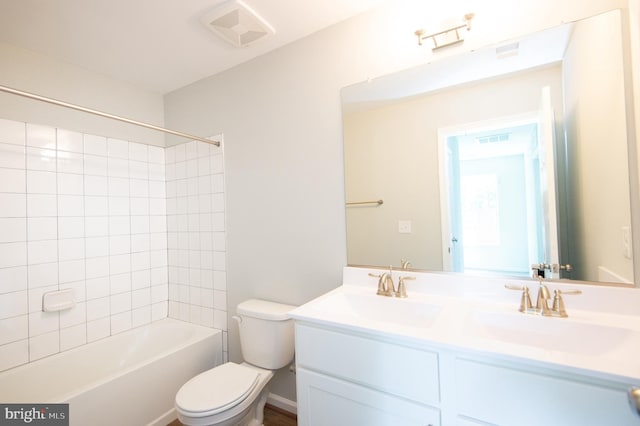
x=266, y=333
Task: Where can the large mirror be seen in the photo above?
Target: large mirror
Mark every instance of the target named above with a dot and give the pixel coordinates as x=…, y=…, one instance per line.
x=495, y=160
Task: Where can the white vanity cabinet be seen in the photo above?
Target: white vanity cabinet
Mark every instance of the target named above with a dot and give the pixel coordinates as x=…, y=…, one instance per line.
x=347, y=378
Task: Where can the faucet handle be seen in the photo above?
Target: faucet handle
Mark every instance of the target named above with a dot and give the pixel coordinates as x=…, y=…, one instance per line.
x=525, y=300
x=402, y=288
x=558, y=302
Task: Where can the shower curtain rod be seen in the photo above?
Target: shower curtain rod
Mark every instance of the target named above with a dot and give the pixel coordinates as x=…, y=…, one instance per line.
x=104, y=114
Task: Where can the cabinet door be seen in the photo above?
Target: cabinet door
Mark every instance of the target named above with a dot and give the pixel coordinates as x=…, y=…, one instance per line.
x=510, y=396
x=327, y=401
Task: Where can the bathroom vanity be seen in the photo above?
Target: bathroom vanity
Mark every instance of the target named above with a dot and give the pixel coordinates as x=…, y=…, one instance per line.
x=456, y=351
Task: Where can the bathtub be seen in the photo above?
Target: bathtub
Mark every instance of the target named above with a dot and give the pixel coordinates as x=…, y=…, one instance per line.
x=127, y=379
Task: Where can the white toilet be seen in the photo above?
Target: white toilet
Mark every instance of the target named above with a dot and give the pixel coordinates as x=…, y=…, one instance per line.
x=234, y=394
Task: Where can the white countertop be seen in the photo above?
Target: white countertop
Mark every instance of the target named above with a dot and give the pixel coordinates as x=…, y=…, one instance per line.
x=601, y=336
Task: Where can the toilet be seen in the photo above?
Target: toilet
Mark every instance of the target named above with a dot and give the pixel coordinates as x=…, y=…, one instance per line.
x=234, y=394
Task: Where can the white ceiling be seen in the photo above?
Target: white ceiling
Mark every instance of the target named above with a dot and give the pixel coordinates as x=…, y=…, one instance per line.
x=159, y=45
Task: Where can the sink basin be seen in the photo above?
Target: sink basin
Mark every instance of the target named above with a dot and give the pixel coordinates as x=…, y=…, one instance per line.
x=378, y=309
x=557, y=334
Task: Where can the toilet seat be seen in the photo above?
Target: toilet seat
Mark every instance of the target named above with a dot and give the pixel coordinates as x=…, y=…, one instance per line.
x=216, y=390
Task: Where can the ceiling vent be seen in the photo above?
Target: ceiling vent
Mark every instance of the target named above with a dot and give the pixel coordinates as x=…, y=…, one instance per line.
x=236, y=23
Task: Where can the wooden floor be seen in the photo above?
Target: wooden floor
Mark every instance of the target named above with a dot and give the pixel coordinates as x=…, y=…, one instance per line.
x=273, y=416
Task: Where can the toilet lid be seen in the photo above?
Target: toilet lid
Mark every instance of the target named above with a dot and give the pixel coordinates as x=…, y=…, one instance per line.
x=217, y=389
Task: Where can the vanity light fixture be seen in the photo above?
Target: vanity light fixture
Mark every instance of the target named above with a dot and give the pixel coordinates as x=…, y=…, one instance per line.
x=448, y=37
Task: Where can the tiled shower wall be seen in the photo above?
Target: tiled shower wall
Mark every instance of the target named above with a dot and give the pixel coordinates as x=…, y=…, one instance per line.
x=196, y=235
x=90, y=213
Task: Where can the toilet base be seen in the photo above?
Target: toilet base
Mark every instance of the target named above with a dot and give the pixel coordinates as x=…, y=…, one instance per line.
x=252, y=415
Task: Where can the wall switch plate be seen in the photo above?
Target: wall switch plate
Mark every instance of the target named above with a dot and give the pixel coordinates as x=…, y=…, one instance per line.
x=404, y=226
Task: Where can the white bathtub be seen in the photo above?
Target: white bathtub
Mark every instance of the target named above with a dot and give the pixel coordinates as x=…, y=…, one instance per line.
x=127, y=379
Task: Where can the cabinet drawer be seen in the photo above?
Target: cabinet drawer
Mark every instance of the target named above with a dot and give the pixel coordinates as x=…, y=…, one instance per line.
x=327, y=401
x=400, y=370
x=508, y=396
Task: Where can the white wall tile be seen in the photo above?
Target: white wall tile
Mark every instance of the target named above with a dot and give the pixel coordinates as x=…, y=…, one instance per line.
x=95, y=145
x=118, y=167
x=120, y=283
x=118, y=187
x=13, y=205
x=138, y=170
x=69, y=141
x=180, y=152
x=13, y=254
x=98, y=329
x=44, y=345
x=70, y=227
x=14, y=354
x=74, y=316
x=12, y=180
x=42, y=228
x=141, y=279
x=120, y=322
x=140, y=242
x=13, y=304
x=95, y=165
x=156, y=154
x=73, y=336
x=141, y=316
x=118, y=148
x=12, y=156
x=96, y=205
x=71, y=271
x=43, y=322
x=42, y=205
x=119, y=244
x=13, y=230
x=45, y=251
x=138, y=188
x=97, y=288
x=41, y=159
x=14, y=329
x=156, y=172
x=42, y=275
x=96, y=185
x=120, y=264
x=70, y=162
x=119, y=225
x=71, y=249
x=97, y=308
x=141, y=260
x=13, y=132
x=157, y=189
x=140, y=224
x=120, y=303
x=138, y=152
x=34, y=297
x=13, y=279
x=39, y=182
x=159, y=276
x=140, y=206
x=97, y=267
x=217, y=183
x=70, y=205
x=97, y=226
x=70, y=184
x=119, y=206
x=41, y=136
x=96, y=246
